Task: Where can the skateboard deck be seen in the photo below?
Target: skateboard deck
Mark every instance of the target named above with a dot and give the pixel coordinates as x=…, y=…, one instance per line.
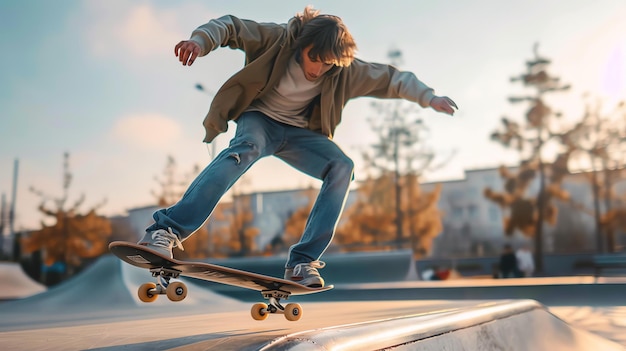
x=164, y=268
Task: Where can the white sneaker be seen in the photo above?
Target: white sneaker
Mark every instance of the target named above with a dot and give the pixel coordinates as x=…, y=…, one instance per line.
x=162, y=241
x=306, y=274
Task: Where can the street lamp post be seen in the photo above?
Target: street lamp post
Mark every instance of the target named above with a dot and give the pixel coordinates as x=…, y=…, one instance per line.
x=16, y=165
x=2, y=219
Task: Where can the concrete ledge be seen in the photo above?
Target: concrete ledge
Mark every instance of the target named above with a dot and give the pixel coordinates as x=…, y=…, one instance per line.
x=510, y=325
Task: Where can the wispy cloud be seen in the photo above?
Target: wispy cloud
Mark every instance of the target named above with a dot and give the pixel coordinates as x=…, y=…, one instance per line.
x=147, y=131
x=138, y=31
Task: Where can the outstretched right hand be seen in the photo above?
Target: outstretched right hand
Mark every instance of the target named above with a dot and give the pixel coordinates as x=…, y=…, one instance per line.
x=187, y=51
x=443, y=104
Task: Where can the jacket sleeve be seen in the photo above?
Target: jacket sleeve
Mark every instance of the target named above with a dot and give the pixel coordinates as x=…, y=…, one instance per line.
x=236, y=33
x=386, y=81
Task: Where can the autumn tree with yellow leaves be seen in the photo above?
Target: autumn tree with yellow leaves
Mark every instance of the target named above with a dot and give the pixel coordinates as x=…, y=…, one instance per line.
x=371, y=220
x=73, y=236
x=242, y=238
x=392, y=210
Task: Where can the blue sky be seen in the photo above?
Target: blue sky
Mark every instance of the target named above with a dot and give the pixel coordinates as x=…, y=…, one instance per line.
x=100, y=80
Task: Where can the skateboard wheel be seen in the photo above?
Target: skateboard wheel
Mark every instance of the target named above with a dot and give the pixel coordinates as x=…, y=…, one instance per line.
x=176, y=291
x=259, y=311
x=293, y=312
x=147, y=292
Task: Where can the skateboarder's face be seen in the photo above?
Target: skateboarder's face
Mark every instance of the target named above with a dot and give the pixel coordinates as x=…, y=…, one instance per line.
x=313, y=67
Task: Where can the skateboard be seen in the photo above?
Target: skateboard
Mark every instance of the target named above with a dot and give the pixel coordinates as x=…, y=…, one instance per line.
x=164, y=269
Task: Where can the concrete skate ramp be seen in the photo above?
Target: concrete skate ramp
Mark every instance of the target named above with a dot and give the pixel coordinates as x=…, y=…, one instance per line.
x=15, y=284
x=108, y=288
x=506, y=325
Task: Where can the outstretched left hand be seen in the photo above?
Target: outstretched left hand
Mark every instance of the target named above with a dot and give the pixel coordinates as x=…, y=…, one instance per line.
x=443, y=104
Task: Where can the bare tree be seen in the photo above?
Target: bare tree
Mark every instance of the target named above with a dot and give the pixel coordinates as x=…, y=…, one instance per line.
x=599, y=139
x=172, y=186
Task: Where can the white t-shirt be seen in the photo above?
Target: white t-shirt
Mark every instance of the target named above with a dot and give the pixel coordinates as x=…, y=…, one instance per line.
x=525, y=260
x=288, y=100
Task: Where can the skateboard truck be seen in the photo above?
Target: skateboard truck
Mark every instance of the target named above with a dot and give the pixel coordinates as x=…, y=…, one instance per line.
x=175, y=291
x=276, y=294
x=260, y=311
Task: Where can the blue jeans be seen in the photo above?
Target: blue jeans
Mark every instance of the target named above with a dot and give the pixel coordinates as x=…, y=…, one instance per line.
x=258, y=136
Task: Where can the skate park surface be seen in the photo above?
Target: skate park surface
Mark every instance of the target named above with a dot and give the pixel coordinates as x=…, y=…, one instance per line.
x=385, y=309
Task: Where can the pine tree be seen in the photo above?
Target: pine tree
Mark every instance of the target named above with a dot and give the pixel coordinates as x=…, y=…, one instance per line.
x=527, y=213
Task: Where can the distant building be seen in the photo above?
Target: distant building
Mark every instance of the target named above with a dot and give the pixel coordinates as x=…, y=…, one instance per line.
x=139, y=218
x=272, y=210
x=473, y=225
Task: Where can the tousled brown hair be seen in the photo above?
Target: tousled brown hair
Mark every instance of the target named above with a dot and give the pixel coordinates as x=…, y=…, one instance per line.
x=328, y=37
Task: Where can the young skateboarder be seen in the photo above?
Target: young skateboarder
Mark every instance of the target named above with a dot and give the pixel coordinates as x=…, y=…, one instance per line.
x=286, y=101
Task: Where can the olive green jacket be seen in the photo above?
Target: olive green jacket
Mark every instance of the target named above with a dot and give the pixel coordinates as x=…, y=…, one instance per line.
x=268, y=48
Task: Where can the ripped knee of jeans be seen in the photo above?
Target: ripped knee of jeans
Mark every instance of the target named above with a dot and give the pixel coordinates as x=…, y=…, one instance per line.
x=235, y=156
x=244, y=152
